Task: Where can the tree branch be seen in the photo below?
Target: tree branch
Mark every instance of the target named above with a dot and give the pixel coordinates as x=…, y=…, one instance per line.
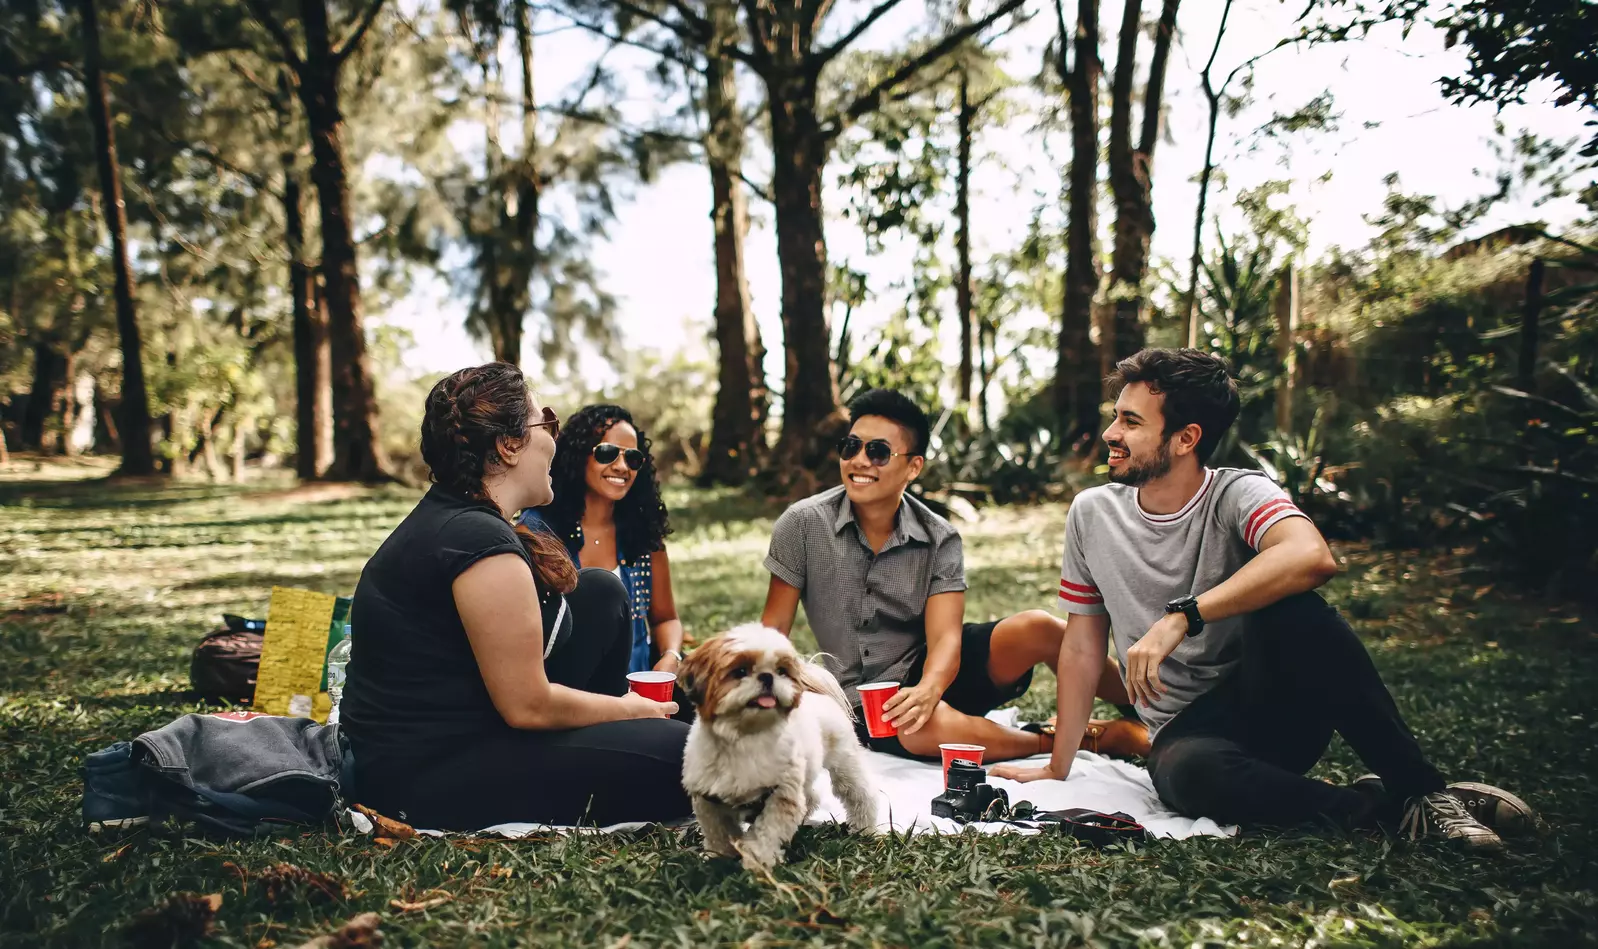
x=263, y=16
x=817, y=60
x=601, y=32
x=353, y=42
x=700, y=24
x=873, y=97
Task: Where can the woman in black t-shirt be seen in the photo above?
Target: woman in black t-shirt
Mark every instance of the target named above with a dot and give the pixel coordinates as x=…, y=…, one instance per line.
x=487, y=682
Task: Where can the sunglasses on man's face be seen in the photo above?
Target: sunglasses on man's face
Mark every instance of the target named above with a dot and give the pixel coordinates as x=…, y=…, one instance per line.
x=605, y=453
x=550, y=421
x=878, y=451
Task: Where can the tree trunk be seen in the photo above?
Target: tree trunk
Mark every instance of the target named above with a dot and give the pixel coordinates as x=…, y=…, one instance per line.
x=1132, y=180
x=106, y=436
x=1530, y=317
x=524, y=232
x=137, y=456
x=1213, y=97
x=43, y=397
x=1286, y=352
x=810, y=392
x=357, y=453
x=737, y=437
x=313, y=442
x=1077, y=387
x=962, y=238
x=69, y=405
x=1122, y=177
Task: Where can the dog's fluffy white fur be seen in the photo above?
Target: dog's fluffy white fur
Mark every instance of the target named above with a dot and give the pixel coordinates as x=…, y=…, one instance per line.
x=768, y=722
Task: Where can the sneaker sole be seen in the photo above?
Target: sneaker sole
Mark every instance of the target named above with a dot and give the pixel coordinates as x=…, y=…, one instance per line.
x=1509, y=815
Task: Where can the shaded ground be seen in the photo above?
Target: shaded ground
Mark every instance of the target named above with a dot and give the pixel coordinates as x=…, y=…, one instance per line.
x=105, y=588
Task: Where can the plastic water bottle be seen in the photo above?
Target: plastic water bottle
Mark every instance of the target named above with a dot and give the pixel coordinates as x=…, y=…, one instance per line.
x=338, y=660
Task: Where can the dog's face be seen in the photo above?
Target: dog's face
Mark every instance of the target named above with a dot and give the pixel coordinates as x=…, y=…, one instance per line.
x=751, y=678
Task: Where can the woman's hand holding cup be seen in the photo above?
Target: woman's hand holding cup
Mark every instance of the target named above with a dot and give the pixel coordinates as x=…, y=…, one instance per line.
x=636, y=706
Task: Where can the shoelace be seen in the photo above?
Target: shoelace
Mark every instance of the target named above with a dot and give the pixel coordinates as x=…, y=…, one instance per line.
x=1443, y=810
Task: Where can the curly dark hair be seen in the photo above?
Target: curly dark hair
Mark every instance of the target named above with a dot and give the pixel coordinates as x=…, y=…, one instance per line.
x=466, y=415
x=642, y=523
x=1198, y=389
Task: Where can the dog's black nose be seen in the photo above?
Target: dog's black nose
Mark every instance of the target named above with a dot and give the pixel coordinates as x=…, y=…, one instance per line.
x=767, y=680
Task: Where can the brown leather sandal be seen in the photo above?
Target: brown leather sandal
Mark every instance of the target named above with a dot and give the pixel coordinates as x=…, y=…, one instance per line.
x=1118, y=737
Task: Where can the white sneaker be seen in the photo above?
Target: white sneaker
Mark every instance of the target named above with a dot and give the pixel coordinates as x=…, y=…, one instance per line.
x=1442, y=815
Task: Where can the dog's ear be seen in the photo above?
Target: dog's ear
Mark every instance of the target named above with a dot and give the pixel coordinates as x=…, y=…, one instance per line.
x=694, y=675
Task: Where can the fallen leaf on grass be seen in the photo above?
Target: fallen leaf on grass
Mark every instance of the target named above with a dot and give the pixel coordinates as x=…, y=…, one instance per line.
x=183, y=919
x=360, y=932
x=387, y=827
x=116, y=853
x=285, y=881
x=621, y=943
x=419, y=905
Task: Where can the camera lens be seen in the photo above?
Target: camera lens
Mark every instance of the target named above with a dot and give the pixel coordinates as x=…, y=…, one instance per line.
x=963, y=776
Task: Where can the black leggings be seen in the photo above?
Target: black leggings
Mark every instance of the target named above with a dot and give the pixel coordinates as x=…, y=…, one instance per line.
x=600, y=774
x=1239, y=753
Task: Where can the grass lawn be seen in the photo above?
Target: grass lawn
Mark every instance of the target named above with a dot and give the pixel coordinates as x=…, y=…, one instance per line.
x=105, y=588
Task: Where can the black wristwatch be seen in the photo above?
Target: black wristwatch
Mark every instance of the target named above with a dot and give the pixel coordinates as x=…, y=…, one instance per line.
x=1188, y=606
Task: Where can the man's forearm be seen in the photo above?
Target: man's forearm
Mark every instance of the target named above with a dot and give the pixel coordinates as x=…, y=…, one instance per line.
x=1080, y=665
x=1272, y=576
x=943, y=657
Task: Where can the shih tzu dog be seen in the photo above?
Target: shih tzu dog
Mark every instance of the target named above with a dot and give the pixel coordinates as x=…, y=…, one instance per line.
x=768, y=722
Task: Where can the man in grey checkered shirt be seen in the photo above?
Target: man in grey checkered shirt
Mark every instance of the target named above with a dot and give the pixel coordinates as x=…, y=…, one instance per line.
x=882, y=579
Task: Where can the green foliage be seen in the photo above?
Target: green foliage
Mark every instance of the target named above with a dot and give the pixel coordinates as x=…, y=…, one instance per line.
x=1510, y=45
x=104, y=589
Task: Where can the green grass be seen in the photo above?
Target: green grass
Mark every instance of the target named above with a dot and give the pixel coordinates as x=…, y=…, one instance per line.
x=105, y=588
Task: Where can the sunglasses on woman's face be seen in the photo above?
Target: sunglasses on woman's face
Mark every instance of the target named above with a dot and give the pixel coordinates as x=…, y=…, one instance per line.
x=550, y=421
x=878, y=451
x=605, y=453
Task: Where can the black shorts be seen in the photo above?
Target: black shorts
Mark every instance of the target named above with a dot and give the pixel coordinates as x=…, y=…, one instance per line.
x=971, y=692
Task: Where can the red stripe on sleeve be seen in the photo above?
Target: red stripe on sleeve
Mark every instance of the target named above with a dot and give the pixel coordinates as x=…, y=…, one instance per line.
x=1079, y=588
x=1082, y=600
x=1251, y=531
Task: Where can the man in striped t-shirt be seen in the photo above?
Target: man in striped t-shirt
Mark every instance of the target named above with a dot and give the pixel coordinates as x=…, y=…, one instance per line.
x=1206, y=578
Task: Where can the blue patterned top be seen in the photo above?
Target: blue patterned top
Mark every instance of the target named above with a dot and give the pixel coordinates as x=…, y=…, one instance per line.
x=637, y=575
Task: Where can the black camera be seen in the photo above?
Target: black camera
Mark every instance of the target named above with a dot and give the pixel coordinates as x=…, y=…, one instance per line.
x=967, y=795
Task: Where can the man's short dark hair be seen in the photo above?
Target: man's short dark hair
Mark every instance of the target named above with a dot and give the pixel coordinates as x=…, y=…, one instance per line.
x=1198, y=389
x=891, y=405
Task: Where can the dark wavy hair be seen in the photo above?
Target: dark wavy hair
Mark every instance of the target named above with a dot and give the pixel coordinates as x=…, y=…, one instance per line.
x=465, y=417
x=1198, y=389
x=896, y=407
x=641, y=520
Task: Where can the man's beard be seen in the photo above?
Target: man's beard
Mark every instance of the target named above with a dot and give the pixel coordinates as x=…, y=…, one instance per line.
x=1138, y=473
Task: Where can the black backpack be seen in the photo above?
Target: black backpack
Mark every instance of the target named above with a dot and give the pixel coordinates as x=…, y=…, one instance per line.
x=225, y=662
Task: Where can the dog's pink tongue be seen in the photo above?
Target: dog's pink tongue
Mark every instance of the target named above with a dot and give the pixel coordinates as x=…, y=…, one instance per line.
x=767, y=701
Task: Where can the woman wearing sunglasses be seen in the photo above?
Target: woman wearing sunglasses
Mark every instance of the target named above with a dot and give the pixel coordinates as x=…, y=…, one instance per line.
x=608, y=512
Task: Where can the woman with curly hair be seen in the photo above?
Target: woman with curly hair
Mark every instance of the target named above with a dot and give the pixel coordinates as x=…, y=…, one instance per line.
x=488, y=681
x=608, y=512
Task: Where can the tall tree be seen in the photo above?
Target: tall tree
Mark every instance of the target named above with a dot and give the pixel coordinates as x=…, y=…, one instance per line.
x=357, y=453
x=138, y=457
x=1212, y=95
x=737, y=430
x=1131, y=175
x=504, y=216
x=312, y=356
x=1076, y=385
x=786, y=55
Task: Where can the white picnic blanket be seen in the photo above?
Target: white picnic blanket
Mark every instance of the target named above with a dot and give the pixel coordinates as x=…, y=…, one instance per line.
x=906, y=788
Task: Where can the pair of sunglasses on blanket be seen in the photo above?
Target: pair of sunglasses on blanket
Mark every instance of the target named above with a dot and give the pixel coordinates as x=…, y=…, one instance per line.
x=1089, y=826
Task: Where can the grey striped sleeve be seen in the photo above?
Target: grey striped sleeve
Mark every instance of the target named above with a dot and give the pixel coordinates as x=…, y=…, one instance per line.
x=785, y=558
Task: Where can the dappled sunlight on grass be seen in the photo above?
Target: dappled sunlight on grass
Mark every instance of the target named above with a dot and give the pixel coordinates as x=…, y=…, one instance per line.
x=105, y=589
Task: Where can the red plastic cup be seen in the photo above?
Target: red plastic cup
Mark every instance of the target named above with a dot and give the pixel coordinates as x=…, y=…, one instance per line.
x=652, y=685
x=872, y=697
x=957, y=752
